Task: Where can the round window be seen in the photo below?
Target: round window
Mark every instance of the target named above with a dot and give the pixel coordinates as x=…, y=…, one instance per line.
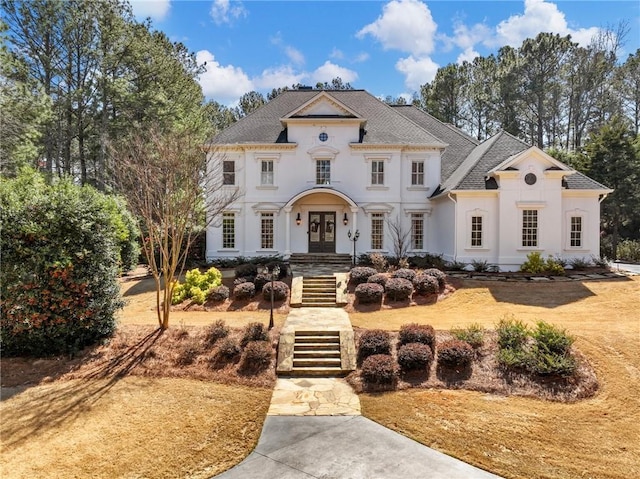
x=530, y=179
x=323, y=136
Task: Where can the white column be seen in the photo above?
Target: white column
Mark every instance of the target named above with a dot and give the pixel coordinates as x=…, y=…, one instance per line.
x=354, y=224
x=287, y=233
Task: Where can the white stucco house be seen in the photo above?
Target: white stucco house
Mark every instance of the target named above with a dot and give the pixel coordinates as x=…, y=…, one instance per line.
x=313, y=166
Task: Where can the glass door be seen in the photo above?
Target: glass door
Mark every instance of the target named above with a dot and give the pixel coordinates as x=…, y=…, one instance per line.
x=322, y=232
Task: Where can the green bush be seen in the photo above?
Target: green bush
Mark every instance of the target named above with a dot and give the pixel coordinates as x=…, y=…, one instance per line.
x=472, y=334
x=197, y=285
x=580, y=263
x=629, y=250
x=536, y=264
x=512, y=333
x=480, y=266
x=127, y=232
x=550, y=338
x=59, y=268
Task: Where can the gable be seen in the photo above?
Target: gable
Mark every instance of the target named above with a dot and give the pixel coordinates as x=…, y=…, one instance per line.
x=532, y=158
x=323, y=105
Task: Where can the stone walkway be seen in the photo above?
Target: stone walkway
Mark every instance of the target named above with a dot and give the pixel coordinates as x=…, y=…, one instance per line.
x=313, y=397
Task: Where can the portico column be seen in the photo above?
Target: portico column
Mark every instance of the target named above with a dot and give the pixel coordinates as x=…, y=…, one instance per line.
x=354, y=219
x=287, y=231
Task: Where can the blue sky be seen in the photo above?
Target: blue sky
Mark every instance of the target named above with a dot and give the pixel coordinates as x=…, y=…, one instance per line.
x=385, y=47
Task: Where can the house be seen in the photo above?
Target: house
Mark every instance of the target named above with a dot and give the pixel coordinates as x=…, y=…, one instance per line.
x=315, y=166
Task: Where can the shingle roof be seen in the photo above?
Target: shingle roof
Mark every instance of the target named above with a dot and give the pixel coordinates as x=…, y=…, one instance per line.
x=578, y=181
x=384, y=124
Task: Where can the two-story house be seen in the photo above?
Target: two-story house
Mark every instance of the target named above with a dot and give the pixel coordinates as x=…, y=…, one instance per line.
x=313, y=166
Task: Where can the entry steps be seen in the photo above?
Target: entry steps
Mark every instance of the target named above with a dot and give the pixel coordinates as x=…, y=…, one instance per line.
x=317, y=353
x=321, y=259
x=318, y=292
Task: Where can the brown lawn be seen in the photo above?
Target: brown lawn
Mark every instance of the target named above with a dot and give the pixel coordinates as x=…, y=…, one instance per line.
x=522, y=437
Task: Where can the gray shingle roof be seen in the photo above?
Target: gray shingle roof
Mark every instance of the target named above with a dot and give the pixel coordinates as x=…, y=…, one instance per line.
x=578, y=181
x=384, y=124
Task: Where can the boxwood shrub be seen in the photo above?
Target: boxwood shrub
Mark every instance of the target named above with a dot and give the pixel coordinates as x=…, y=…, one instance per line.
x=455, y=354
x=361, y=274
x=219, y=294
x=244, y=291
x=368, y=293
x=417, y=333
x=414, y=357
x=373, y=341
x=438, y=275
x=280, y=291
x=404, y=273
x=379, y=369
x=425, y=284
x=378, y=278
x=398, y=289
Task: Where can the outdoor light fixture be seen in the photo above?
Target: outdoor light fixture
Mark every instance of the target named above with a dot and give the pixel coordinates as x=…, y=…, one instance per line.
x=298, y=219
x=345, y=220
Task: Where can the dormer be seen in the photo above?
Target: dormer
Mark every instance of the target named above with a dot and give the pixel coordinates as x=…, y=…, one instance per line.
x=530, y=166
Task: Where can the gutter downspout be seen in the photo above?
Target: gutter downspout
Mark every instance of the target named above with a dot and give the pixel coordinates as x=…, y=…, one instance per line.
x=603, y=197
x=455, y=227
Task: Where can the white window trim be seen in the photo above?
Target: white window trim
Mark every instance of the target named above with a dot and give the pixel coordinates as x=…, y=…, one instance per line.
x=275, y=158
x=424, y=236
x=235, y=174
x=485, y=229
x=369, y=159
x=274, y=217
x=235, y=231
x=567, y=230
x=521, y=247
x=413, y=186
x=384, y=230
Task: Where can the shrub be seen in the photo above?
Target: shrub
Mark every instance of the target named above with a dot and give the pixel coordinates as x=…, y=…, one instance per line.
x=512, y=334
x=417, y=333
x=426, y=284
x=179, y=293
x=404, y=273
x=243, y=279
x=256, y=356
x=554, y=266
x=398, y=289
x=368, y=293
x=414, y=357
x=254, y=332
x=513, y=358
x=579, y=263
x=472, y=334
x=426, y=261
x=280, y=291
x=188, y=353
x=244, y=291
x=219, y=294
x=379, y=262
x=551, y=339
x=373, y=341
x=536, y=264
x=456, y=266
x=59, y=267
x=196, y=285
x=228, y=349
x=361, y=274
x=247, y=270
x=455, y=354
x=379, y=278
x=539, y=361
x=480, y=266
x=197, y=295
x=260, y=280
x=438, y=275
x=629, y=250
x=215, y=332
x=379, y=369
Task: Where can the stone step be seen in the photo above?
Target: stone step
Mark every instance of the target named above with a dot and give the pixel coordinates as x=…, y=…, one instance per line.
x=317, y=371
x=318, y=305
x=316, y=362
x=316, y=354
x=319, y=294
x=317, y=332
x=316, y=339
x=317, y=346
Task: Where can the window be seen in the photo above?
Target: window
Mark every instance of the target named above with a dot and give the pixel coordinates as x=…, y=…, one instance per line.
x=576, y=232
x=377, y=230
x=417, y=231
x=266, y=231
x=228, y=230
x=417, y=173
x=529, y=228
x=323, y=172
x=266, y=173
x=228, y=172
x=377, y=172
x=476, y=231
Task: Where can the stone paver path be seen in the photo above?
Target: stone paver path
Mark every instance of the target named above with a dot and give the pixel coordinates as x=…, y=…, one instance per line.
x=313, y=397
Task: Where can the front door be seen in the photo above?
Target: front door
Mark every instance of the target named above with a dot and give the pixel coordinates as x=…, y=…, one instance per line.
x=322, y=232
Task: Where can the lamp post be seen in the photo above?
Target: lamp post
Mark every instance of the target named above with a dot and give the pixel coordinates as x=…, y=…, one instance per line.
x=275, y=271
x=356, y=235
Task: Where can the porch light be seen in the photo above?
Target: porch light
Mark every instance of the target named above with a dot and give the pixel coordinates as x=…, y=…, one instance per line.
x=345, y=219
x=298, y=220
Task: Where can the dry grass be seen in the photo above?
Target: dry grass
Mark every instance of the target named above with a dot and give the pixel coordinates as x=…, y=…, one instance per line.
x=522, y=437
x=132, y=427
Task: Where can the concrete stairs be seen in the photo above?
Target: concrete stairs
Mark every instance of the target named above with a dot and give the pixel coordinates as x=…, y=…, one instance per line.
x=317, y=353
x=338, y=259
x=318, y=292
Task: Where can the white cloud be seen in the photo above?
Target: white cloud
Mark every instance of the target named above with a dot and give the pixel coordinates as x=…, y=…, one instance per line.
x=405, y=25
x=417, y=71
x=361, y=57
x=278, y=77
x=328, y=71
x=539, y=16
x=223, y=11
x=467, y=55
x=223, y=83
x=156, y=9
x=294, y=55
x=336, y=53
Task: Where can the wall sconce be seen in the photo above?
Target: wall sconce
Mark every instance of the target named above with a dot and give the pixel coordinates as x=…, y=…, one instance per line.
x=298, y=220
x=345, y=219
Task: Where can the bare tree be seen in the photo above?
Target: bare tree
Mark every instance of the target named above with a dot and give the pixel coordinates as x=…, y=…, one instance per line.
x=400, y=237
x=162, y=175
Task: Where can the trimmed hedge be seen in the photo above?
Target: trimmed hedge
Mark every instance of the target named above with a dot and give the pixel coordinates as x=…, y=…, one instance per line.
x=440, y=276
x=244, y=291
x=404, y=273
x=247, y=270
x=426, y=284
x=243, y=279
x=417, y=333
x=378, y=278
x=219, y=294
x=455, y=354
x=361, y=274
x=280, y=291
x=379, y=369
x=368, y=293
x=415, y=357
x=373, y=341
x=260, y=280
x=398, y=289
